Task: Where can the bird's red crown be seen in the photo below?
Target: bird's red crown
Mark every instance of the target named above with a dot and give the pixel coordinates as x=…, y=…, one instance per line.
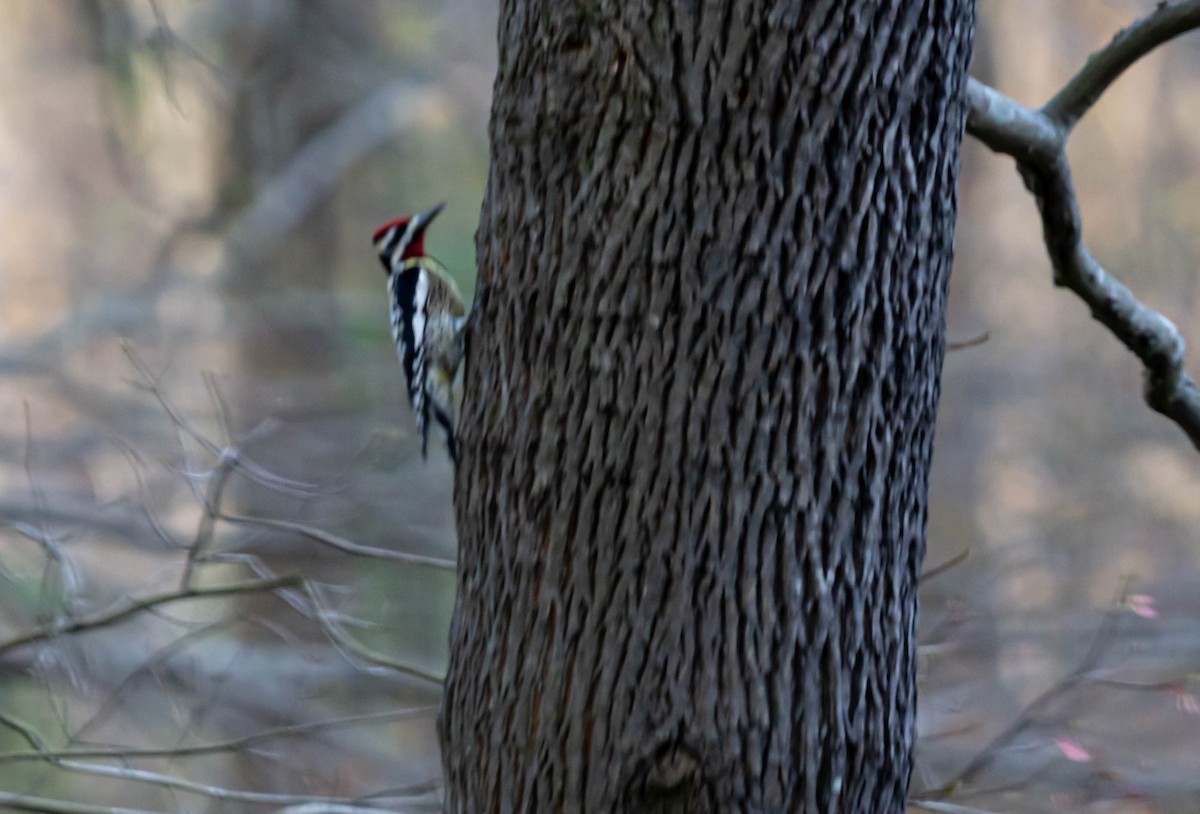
x=415, y=247
x=400, y=223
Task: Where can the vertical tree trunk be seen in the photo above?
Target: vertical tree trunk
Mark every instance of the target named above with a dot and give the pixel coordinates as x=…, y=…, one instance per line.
x=700, y=404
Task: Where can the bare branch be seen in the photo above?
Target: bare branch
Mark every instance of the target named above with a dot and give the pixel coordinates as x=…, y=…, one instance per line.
x=287, y=198
x=972, y=342
x=108, y=520
x=212, y=509
x=1006, y=126
x=341, y=543
x=136, y=465
x=27, y=732
x=355, y=651
x=59, y=579
x=332, y=808
x=946, y=808
x=224, y=413
x=204, y=789
x=1032, y=714
x=153, y=662
x=69, y=760
x=25, y=802
x=953, y=562
x=1167, y=21
x=150, y=383
x=1037, y=139
x=131, y=609
x=232, y=745
x=241, y=463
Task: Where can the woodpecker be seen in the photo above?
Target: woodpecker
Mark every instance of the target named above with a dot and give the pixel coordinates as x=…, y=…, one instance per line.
x=428, y=317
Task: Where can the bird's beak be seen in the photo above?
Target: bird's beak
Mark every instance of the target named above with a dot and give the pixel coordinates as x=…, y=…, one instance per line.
x=427, y=217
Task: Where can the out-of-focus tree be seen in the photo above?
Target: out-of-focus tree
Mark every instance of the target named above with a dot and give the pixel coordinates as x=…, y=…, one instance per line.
x=186, y=586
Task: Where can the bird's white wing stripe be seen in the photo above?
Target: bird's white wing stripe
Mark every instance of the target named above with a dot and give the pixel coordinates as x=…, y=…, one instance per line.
x=419, y=317
x=420, y=309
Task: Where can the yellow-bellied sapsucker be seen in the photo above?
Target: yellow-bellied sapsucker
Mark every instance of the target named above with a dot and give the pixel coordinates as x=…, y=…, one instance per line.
x=428, y=317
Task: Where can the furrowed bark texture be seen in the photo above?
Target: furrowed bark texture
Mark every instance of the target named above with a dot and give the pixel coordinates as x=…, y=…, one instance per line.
x=699, y=405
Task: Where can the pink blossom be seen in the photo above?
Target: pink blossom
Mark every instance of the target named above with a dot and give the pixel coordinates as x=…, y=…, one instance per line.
x=1072, y=751
x=1142, y=605
x=1186, y=703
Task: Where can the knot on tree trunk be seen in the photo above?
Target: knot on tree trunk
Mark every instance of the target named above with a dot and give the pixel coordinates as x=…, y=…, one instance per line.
x=670, y=781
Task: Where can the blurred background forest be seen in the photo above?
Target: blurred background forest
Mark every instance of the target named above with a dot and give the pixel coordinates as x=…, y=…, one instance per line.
x=199, y=398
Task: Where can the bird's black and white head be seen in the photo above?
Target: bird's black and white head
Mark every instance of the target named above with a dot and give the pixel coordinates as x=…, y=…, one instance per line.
x=403, y=238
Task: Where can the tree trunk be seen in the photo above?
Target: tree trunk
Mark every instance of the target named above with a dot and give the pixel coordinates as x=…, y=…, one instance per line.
x=700, y=404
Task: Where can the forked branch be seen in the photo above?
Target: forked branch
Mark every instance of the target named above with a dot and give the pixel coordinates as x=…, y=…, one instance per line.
x=1037, y=139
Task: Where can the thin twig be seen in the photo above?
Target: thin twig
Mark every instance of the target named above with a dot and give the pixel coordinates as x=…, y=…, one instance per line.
x=212, y=509
x=143, y=490
x=355, y=651
x=292, y=597
x=224, y=413
x=341, y=543
x=24, y=802
x=946, y=808
x=150, y=384
x=109, y=520
x=232, y=745
x=131, y=609
x=194, y=787
x=58, y=577
x=27, y=733
x=332, y=808
x=112, y=701
x=942, y=568
x=963, y=344
x=1030, y=715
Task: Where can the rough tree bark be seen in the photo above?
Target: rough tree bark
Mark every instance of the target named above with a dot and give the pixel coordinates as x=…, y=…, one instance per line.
x=700, y=402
